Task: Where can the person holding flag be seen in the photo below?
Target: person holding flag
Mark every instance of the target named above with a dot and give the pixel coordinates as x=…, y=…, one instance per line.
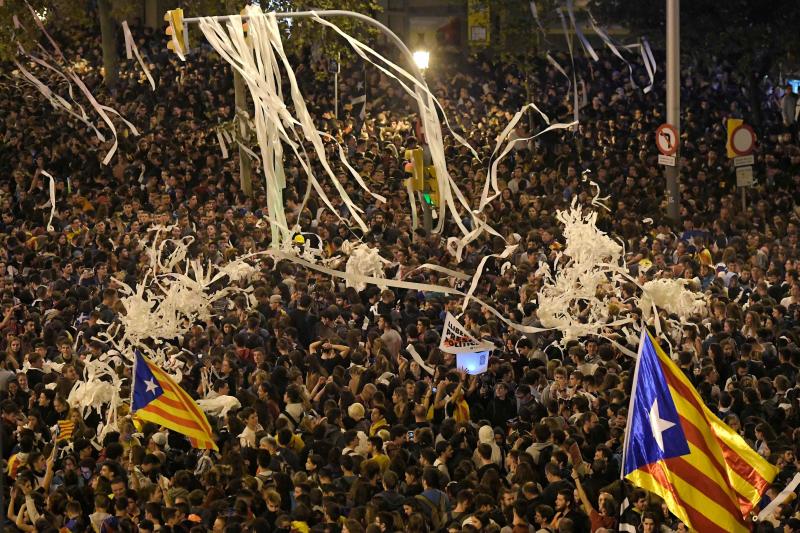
x=675, y=447
x=159, y=399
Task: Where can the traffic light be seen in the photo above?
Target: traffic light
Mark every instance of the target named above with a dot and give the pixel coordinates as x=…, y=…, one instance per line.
x=431, y=193
x=177, y=42
x=416, y=168
x=245, y=27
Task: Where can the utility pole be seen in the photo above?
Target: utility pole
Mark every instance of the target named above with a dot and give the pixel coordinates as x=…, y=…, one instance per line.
x=242, y=134
x=673, y=104
x=336, y=85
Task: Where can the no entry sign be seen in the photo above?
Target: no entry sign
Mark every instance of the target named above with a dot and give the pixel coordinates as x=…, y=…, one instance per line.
x=743, y=140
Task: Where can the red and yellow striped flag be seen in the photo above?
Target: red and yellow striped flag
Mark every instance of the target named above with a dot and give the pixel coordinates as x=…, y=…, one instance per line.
x=710, y=478
x=65, y=430
x=158, y=399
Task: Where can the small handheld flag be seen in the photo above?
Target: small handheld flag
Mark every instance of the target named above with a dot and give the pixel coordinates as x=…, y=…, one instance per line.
x=65, y=430
x=158, y=399
x=676, y=447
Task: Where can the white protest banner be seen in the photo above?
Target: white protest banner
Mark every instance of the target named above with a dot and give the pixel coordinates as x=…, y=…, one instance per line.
x=456, y=338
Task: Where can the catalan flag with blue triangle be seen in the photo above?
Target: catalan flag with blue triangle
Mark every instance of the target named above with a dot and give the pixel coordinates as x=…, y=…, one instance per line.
x=158, y=399
x=709, y=477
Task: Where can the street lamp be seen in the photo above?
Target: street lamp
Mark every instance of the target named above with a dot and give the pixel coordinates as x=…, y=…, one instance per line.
x=422, y=58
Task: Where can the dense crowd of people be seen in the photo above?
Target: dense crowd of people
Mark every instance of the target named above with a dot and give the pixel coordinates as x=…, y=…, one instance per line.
x=340, y=429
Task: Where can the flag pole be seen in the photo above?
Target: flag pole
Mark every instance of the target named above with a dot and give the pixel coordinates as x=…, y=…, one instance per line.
x=133, y=379
x=622, y=506
x=630, y=404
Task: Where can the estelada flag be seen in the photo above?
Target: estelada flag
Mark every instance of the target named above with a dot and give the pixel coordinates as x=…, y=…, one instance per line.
x=710, y=478
x=158, y=399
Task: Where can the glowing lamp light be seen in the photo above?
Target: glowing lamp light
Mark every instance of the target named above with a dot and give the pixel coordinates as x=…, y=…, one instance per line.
x=422, y=58
x=473, y=363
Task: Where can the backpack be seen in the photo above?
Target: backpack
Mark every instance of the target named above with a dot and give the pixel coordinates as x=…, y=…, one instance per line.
x=438, y=512
x=290, y=418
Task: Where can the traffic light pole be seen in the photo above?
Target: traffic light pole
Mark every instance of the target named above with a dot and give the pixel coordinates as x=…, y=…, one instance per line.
x=427, y=212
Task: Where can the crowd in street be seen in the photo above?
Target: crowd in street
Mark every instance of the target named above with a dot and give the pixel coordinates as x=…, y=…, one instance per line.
x=340, y=429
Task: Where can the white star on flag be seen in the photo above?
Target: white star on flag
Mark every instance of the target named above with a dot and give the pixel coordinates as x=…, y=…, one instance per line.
x=152, y=386
x=658, y=425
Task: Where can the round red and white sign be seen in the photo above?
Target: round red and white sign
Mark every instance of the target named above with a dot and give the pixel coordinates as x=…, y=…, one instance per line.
x=667, y=139
x=743, y=140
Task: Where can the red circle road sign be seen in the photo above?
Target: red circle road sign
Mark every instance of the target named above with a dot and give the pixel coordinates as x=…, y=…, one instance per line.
x=667, y=139
x=743, y=139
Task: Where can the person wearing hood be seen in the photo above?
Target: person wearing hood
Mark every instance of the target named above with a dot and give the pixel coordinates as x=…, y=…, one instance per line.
x=486, y=436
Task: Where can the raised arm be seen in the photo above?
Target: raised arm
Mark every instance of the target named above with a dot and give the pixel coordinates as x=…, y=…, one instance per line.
x=582, y=493
x=51, y=461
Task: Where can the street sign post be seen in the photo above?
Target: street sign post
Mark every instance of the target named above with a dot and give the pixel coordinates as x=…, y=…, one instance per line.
x=740, y=145
x=744, y=176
